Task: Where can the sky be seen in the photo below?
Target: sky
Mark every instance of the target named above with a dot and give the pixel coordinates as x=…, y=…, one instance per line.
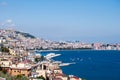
x=66, y=20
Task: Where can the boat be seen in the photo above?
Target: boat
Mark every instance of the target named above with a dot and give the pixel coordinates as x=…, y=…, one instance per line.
x=51, y=55
x=66, y=64
x=57, y=62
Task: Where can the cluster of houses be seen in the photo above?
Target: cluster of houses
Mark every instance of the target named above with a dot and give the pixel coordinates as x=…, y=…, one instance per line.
x=25, y=65
x=13, y=38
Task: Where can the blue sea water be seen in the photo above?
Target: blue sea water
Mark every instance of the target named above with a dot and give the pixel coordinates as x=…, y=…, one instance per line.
x=90, y=64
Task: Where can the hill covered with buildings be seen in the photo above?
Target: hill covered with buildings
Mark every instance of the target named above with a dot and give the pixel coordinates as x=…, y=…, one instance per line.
x=13, y=38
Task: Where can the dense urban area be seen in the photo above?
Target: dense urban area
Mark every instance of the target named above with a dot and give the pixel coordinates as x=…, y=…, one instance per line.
x=18, y=60
x=12, y=38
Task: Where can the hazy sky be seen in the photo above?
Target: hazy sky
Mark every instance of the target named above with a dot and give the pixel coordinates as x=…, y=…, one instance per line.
x=84, y=20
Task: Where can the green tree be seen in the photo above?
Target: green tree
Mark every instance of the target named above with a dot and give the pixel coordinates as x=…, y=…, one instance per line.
x=4, y=71
x=4, y=49
x=20, y=77
x=7, y=76
x=41, y=77
x=39, y=59
x=0, y=68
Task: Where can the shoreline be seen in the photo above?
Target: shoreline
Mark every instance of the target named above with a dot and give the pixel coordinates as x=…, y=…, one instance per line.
x=73, y=50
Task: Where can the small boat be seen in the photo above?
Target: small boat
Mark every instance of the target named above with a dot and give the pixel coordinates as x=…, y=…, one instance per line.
x=66, y=64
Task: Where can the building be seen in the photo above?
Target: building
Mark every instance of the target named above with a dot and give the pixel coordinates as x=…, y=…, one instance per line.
x=20, y=69
x=5, y=63
x=72, y=77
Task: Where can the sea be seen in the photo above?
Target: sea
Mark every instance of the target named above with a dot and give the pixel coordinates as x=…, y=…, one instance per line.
x=90, y=64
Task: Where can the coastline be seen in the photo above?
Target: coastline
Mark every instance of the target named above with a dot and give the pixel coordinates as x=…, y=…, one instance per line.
x=74, y=50
x=89, y=61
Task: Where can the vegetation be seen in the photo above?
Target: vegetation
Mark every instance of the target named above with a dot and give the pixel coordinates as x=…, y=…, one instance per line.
x=39, y=59
x=41, y=78
x=4, y=74
x=4, y=71
x=0, y=68
x=7, y=76
x=4, y=49
x=36, y=60
x=20, y=77
x=25, y=34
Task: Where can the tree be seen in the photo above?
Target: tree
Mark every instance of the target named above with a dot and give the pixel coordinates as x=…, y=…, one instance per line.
x=4, y=71
x=39, y=59
x=4, y=49
x=41, y=77
x=20, y=77
x=36, y=60
x=0, y=68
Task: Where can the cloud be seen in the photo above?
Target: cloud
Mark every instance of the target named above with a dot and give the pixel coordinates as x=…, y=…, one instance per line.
x=7, y=23
x=3, y=3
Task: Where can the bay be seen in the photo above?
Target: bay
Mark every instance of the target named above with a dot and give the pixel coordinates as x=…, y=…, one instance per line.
x=90, y=64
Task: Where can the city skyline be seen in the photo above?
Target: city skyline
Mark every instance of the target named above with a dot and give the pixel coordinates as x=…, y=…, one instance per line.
x=86, y=21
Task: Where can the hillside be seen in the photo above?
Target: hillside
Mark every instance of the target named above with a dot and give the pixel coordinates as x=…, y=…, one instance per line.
x=27, y=35
x=13, y=34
